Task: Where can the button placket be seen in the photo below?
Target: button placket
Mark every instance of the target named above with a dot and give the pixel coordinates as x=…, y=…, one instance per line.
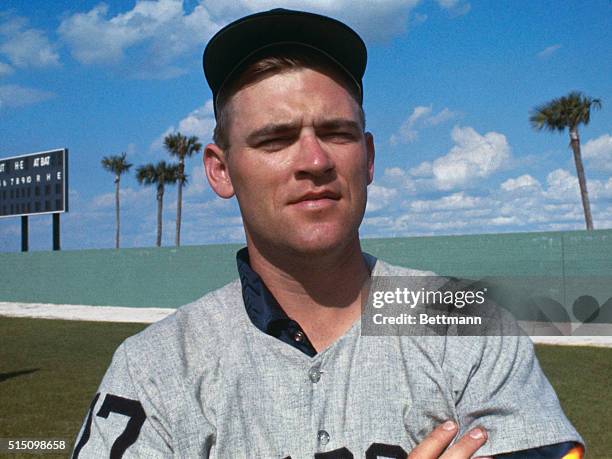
x=320, y=420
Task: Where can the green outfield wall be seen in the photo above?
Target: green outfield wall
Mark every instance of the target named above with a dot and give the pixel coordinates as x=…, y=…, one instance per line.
x=169, y=277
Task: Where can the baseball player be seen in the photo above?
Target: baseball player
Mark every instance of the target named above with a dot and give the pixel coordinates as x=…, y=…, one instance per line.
x=274, y=365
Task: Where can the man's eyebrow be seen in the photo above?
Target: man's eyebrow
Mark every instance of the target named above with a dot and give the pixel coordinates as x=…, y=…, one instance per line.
x=271, y=129
x=338, y=123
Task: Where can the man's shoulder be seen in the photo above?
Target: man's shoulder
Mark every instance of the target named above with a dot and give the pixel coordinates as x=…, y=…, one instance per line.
x=383, y=268
x=203, y=324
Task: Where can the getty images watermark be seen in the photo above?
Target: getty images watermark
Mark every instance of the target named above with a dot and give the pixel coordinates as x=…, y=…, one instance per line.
x=407, y=298
x=510, y=306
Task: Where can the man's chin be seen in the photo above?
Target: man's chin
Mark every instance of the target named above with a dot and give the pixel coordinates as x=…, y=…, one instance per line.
x=306, y=241
x=321, y=244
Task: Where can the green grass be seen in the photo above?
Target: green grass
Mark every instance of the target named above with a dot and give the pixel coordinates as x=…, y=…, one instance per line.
x=582, y=377
x=50, y=370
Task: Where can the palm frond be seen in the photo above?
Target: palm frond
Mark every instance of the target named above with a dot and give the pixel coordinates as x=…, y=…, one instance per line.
x=146, y=174
x=564, y=112
x=159, y=173
x=117, y=164
x=181, y=146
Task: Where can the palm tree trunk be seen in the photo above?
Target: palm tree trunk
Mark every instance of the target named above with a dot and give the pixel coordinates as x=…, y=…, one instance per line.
x=117, y=221
x=179, y=202
x=160, y=205
x=575, y=144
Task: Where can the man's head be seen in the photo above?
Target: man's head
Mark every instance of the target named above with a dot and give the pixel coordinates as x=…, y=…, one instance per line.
x=290, y=140
x=258, y=45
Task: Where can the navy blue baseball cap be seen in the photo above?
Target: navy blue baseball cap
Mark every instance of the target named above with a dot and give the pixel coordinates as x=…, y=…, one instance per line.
x=249, y=36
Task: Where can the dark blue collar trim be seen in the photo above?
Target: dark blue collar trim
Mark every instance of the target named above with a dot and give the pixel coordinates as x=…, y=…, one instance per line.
x=264, y=311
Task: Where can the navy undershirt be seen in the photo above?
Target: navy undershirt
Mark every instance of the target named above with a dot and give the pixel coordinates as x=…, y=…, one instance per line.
x=265, y=312
x=268, y=316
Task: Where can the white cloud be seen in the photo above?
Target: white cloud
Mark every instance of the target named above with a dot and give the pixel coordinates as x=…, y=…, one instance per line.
x=406, y=132
x=397, y=177
x=444, y=115
x=213, y=209
x=455, y=7
x=451, y=202
x=420, y=116
x=418, y=113
x=503, y=221
x=600, y=190
x=162, y=30
x=598, y=152
x=422, y=170
x=197, y=181
x=129, y=197
x=520, y=203
x=373, y=20
x=12, y=95
x=473, y=157
x=111, y=37
x=25, y=47
x=562, y=186
x=379, y=197
x=524, y=183
x=548, y=51
x=200, y=122
x=214, y=220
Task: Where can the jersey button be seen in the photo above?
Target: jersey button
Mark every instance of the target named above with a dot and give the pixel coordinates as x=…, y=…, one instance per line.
x=298, y=337
x=323, y=437
x=314, y=374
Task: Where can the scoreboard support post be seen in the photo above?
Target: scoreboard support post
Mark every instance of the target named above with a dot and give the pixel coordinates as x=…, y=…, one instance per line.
x=24, y=233
x=56, y=231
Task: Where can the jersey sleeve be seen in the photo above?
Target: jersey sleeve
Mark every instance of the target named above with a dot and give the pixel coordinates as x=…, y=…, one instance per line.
x=498, y=384
x=125, y=418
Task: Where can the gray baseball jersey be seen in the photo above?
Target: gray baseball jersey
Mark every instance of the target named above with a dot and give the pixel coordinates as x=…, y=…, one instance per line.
x=205, y=382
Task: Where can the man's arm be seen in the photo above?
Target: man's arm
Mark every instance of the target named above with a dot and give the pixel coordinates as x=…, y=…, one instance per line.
x=499, y=384
x=124, y=420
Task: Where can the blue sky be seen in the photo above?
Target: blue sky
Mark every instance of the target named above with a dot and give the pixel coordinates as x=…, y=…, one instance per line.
x=448, y=91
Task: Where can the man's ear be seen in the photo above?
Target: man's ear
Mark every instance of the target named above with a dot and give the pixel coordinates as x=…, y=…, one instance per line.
x=370, y=151
x=217, y=172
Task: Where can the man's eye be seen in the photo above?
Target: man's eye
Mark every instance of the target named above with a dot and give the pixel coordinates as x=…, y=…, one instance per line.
x=275, y=143
x=338, y=136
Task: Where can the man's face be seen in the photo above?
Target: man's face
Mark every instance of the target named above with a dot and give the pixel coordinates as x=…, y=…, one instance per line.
x=299, y=162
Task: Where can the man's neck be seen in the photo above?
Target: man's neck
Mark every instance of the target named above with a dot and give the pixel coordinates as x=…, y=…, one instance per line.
x=322, y=293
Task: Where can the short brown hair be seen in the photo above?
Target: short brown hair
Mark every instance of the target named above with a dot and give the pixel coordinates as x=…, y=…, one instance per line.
x=274, y=62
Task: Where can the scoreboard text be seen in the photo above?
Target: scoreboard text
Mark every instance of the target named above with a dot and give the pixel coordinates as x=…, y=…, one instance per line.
x=36, y=183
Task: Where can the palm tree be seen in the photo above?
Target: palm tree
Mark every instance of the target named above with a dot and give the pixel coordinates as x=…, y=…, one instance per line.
x=569, y=112
x=182, y=147
x=117, y=165
x=158, y=174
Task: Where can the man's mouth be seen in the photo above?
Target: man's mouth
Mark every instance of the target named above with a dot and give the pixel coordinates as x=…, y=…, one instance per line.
x=316, y=199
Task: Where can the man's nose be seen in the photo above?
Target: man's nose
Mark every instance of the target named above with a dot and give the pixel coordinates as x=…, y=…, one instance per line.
x=313, y=157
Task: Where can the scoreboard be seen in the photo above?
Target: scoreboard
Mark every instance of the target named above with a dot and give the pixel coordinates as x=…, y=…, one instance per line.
x=36, y=183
